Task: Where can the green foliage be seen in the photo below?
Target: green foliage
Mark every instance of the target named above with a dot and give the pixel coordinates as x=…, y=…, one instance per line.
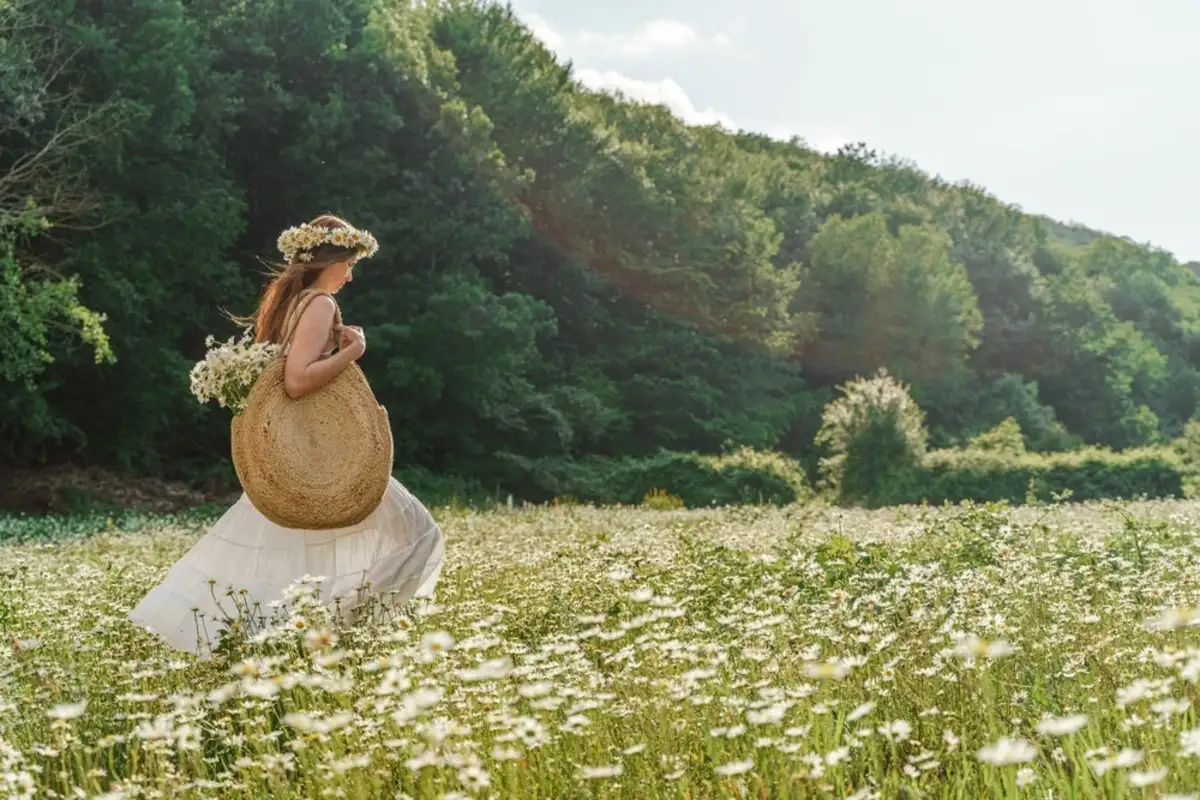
x=877, y=443
x=157, y=266
x=737, y=478
x=35, y=305
x=1187, y=449
x=42, y=317
x=1087, y=474
x=442, y=490
x=874, y=435
x=1102, y=372
x=659, y=500
x=1187, y=446
x=693, y=391
x=914, y=309
x=40, y=314
x=567, y=279
x=1004, y=439
x=975, y=406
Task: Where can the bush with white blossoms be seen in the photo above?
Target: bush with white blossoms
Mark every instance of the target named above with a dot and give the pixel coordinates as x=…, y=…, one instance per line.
x=229, y=370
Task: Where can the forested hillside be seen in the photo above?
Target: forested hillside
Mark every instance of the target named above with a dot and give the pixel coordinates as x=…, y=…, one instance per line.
x=561, y=274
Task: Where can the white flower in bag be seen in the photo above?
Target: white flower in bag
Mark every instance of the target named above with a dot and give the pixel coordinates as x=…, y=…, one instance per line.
x=229, y=370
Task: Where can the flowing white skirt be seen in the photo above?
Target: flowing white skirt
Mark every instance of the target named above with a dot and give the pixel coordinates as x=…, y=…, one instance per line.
x=399, y=550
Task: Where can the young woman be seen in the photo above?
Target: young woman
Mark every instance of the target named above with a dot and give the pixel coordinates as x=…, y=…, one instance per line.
x=246, y=561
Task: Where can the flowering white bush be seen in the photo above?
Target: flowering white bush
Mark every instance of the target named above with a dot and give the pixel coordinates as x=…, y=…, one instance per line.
x=229, y=370
x=873, y=434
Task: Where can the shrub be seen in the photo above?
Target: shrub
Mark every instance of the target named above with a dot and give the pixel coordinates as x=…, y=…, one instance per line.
x=738, y=478
x=436, y=490
x=1187, y=446
x=1187, y=449
x=1006, y=438
x=659, y=500
x=754, y=476
x=874, y=436
x=973, y=406
x=1088, y=474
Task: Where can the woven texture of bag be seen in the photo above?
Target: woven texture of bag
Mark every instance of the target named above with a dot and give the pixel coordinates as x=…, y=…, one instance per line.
x=318, y=462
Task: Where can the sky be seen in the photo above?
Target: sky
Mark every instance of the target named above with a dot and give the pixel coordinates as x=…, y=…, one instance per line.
x=1083, y=110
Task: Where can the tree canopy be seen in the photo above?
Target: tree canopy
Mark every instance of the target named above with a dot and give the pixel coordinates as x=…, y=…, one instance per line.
x=562, y=273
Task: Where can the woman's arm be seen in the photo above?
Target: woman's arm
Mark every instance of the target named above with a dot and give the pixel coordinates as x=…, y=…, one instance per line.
x=305, y=371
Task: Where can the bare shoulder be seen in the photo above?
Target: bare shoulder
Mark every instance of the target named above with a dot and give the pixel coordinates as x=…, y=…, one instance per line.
x=320, y=310
x=311, y=329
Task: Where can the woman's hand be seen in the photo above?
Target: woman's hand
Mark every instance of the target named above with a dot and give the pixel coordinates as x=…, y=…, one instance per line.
x=353, y=340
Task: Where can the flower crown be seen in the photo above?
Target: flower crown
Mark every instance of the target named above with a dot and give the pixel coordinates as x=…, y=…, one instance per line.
x=295, y=242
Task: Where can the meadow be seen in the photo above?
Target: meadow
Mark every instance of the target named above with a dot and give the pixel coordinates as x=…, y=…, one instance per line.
x=803, y=651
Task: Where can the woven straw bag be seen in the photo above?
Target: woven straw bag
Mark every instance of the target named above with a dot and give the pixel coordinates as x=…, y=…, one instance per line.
x=318, y=462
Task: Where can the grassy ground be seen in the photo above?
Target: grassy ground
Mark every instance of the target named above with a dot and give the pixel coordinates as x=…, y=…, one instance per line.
x=631, y=653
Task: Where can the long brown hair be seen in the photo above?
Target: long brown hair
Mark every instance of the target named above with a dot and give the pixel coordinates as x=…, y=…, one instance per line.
x=289, y=280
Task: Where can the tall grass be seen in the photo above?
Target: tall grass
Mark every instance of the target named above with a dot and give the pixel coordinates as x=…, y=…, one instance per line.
x=576, y=652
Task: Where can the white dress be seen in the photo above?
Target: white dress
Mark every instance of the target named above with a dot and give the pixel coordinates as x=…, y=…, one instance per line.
x=399, y=549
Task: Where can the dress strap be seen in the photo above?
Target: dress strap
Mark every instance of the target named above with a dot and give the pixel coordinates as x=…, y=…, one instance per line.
x=298, y=306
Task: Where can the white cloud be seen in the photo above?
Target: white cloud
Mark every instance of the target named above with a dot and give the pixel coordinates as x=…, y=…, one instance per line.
x=651, y=38
x=544, y=31
x=662, y=92
x=657, y=36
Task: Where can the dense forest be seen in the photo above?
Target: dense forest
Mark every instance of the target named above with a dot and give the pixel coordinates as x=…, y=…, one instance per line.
x=562, y=273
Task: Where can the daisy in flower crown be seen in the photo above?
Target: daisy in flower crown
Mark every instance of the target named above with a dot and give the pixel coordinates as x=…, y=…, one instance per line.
x=297, y=244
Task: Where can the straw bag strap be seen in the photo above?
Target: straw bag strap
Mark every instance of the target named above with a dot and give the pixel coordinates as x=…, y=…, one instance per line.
x=298, y=305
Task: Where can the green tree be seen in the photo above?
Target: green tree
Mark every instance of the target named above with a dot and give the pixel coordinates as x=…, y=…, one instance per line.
x=887, y=301
x=157, y=267
x=668, y=214
x=563, y=273
x=1098, y=372
x=43, y=132
x=994, y=242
